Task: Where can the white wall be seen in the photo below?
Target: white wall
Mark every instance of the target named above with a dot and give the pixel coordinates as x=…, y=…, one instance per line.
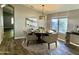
x=22, y=12
x=1, y=25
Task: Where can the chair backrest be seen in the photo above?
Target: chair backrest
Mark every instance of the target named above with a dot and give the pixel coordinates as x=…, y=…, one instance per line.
x=51, y=38
x=31, y=37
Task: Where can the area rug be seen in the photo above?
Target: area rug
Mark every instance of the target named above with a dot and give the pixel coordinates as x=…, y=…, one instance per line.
x=39, y=49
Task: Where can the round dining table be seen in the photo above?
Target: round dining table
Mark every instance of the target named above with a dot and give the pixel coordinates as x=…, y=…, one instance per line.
x=40, y=35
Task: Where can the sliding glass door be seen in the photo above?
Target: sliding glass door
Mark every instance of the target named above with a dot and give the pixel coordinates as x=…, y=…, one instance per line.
x=60, y=24
x=55, y=24
x=63, y=25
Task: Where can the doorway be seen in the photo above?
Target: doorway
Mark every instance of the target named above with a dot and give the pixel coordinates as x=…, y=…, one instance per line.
x=8, y=21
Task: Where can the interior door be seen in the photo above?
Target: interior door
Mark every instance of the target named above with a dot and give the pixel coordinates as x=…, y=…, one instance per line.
x=8, y=21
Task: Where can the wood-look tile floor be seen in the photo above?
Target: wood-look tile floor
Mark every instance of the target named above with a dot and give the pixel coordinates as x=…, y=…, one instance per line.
x=63, y=49
x=14, y=47
x=10, y=46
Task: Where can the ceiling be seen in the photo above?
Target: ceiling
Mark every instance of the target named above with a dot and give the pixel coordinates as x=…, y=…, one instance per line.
x=52, y=8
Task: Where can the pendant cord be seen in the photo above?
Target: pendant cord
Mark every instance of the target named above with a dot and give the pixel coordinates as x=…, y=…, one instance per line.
x=42, y=10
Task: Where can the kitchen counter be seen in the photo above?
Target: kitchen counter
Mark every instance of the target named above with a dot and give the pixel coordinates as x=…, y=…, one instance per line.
x=72, y=37
x=75, y=33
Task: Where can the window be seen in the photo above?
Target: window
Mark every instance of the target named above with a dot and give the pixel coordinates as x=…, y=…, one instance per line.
x=60, y=24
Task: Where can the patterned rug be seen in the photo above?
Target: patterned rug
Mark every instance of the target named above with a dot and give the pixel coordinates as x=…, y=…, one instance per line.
x=39, y=49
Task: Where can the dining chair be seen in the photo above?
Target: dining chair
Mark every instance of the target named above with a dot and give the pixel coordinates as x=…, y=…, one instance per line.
x=31, y=37
x=51, y=38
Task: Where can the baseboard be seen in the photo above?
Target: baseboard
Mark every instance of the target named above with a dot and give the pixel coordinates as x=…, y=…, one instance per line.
x=61, y=39
x=74, y=44
x=19, y=37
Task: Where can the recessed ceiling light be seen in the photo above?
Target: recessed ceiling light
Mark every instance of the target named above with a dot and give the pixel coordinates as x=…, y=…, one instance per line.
x=3, y=5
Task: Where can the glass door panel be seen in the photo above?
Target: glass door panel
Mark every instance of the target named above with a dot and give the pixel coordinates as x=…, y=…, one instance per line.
x=63, y=24
x=55, y=24
x=60, y=24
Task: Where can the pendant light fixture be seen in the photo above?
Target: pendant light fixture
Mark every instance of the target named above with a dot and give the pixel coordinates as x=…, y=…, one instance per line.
x=43, y=15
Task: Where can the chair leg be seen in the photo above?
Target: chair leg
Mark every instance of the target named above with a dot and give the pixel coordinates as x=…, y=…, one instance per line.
x=24, y=41
x=48, y=45
x=56, y=43
x=27, y=42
